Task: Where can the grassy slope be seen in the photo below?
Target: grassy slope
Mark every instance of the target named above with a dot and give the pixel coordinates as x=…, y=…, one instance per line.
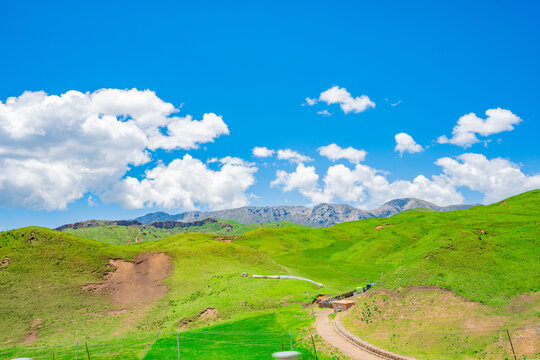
x=429, y=323
x=36, y=285
x=122, y=235
x=447, y=250
x=486, y=254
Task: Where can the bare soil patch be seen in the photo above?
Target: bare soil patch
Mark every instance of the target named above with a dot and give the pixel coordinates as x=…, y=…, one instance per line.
x=32, y=336
x=135, y=282
x=209, y=313
x=5, y=262
x=116, y=312
x=378, y=227
x=227, y=239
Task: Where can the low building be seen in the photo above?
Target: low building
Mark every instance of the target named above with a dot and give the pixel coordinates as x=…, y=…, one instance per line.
x=342, y=305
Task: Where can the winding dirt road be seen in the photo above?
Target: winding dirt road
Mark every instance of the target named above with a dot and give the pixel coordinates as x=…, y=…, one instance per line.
x=325, y=328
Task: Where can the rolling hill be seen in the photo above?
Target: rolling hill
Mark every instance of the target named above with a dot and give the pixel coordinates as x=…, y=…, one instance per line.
x=131, y=231
x=485, y=255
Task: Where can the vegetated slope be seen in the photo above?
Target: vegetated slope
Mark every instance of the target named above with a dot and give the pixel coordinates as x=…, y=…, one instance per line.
x=486, y=254
x=131, y=231
x=321, y=215
x=429, y=323
x=43, y=281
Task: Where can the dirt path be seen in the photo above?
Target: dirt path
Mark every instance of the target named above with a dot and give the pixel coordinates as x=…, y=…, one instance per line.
x=325, y=328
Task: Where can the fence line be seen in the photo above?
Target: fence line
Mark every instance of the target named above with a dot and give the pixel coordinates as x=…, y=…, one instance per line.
x=160, y=344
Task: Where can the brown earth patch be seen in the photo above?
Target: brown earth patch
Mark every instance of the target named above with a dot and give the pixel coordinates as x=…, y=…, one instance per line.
x=528, y=302
x=116, y=312
x=209, y=313
x=5, y=262
x=136, y=282
x=227, y=239
x=378, y=227
x=31, y=237
x=206, y=314
x=526, y=341
x=32, y=336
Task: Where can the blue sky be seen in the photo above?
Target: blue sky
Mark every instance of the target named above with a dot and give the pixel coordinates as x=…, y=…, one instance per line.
x=254, y=64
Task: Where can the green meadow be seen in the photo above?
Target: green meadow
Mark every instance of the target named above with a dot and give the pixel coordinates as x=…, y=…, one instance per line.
x=122, y=235
x=486, y=255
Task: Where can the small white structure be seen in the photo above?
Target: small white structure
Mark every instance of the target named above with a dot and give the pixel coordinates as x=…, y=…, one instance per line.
x=286, y=355
x=286, y=277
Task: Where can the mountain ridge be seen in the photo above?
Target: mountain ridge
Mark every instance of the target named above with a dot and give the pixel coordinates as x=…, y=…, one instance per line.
x=321, y=215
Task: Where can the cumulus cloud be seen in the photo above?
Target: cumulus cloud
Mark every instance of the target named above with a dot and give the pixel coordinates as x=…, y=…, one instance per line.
x=335, y=152
x=310, y=101
x=262, y=152
x=186, y=182
x=324, y=112
x=304, y=179
x=464, y=133
x=496, y=179
x=405, y=143
x=365, y=186
x=57, y=148
x=368, y=187
x=292, y=156
x=337, y=95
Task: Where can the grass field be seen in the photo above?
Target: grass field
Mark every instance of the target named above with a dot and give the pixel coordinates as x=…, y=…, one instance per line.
x=488, y=255
x=254, y=337
x=122, y=235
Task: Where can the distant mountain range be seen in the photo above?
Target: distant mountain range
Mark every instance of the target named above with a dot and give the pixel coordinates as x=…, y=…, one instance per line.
x=321, y=215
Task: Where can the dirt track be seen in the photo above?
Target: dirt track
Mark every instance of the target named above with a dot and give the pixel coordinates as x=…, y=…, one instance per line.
x=326, y=330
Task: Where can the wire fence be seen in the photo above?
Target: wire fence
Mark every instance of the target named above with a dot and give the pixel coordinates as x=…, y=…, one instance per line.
x=229, y=345
x=170, y=345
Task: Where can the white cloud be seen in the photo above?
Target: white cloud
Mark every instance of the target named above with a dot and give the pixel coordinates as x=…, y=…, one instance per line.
x=262, y=152
x=405, y=143
x=186, y=182
x=464, y=133
x=292, y=156
x=91, y=201
x=393, y=104
x=367, y=187
x=337, y=95
x=310, y=102
x=335, y=152
x=304, y=179
x=57, y=148
x=324, y=112
x=185, y=133
x=496, y=179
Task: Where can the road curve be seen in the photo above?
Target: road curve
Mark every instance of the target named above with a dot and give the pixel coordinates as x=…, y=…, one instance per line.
x=325, y=328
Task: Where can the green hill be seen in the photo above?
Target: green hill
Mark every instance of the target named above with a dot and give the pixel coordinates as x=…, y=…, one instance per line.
x=111, y=232
x=487, y=254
